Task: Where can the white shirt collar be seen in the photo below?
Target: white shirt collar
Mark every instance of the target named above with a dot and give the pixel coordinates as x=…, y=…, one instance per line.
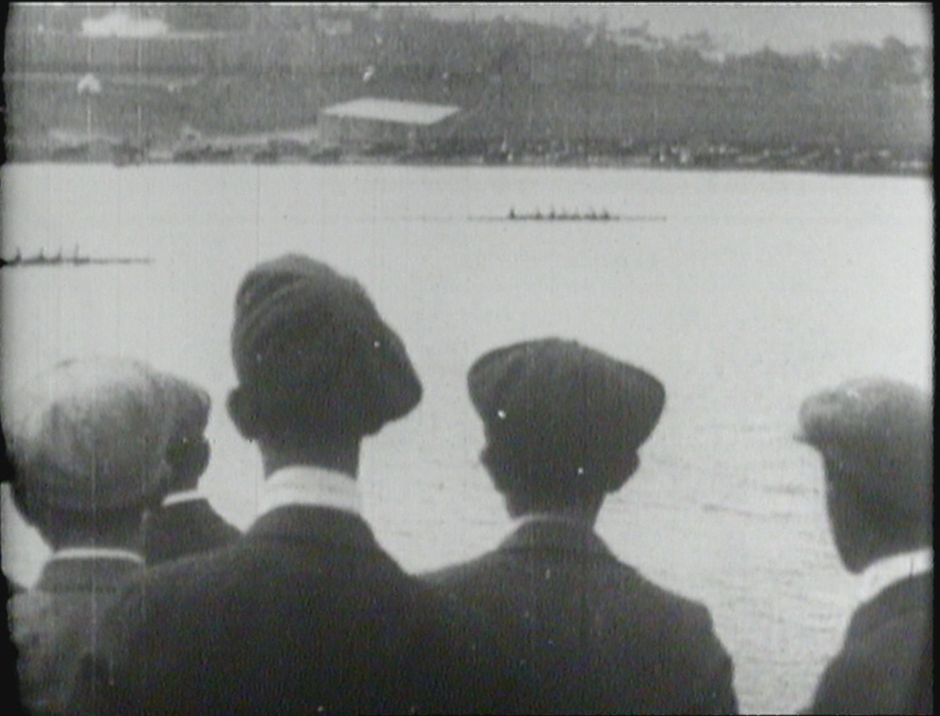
x=309, y=485
x=525, y=519
x=96, y=553
x=893, y=569
x=530, y=517
x=175, y=498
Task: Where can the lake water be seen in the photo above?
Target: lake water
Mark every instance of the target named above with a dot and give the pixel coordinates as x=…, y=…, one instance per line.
x=756, y=290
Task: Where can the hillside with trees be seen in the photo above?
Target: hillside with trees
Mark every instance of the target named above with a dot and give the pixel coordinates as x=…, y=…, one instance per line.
x=527, y=92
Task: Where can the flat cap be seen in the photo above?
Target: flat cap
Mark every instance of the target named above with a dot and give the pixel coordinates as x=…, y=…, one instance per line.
x=884, y=425
x=309, y=345
x=93, y=433
x=562, y=405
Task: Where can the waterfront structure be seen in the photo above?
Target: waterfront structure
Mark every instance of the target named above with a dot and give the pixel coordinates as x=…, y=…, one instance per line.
x=372, y=123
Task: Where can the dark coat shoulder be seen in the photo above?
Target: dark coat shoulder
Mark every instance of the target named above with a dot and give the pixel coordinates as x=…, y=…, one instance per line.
x=304, y=613
x=877, y=669
x=185, y=528
x=591, y=633
x=55, y=621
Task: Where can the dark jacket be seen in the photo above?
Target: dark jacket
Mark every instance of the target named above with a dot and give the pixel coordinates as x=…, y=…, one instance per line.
x=185, y=528
x=877, y=670
x=590, y=633
x=54, y=622
x=304, y=613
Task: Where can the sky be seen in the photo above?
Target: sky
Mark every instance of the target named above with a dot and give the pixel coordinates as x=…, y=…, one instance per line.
x=737, y=27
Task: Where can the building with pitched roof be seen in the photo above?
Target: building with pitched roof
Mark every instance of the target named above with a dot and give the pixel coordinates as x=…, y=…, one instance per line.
x=372, y=123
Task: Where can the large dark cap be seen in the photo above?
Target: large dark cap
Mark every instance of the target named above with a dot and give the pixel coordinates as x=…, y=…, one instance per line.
x=93, y=434
x=559, y=403
x=309, y=346
x=882, y=425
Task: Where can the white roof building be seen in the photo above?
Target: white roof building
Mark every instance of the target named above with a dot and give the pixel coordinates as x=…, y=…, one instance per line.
x=394, y=111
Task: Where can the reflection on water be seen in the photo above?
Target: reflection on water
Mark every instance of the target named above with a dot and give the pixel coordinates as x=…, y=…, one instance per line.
x=756, y=290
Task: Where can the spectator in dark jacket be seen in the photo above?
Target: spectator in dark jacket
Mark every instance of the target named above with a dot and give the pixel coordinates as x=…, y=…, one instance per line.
x=90, y=451
x=185, y=523
x=875, y=437
x=304, y=613
x=563, y=426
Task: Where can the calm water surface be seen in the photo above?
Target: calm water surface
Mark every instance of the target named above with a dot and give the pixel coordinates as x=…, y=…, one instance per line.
x=756, y=290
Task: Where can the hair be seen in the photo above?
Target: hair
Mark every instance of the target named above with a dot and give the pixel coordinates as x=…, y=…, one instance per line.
x=546, y=481
x=888, y=523
x=286, y=425
x=61, y=527
x=188, y=458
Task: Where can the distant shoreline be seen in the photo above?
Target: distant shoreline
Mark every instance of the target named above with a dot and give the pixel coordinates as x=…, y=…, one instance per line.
x=594, y=163
x=306, y=145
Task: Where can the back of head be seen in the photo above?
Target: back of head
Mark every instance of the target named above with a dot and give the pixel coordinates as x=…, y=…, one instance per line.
x=877, y=437
x=313, y=357
x=90, y=438
x=187, y=451
x=561, y=419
